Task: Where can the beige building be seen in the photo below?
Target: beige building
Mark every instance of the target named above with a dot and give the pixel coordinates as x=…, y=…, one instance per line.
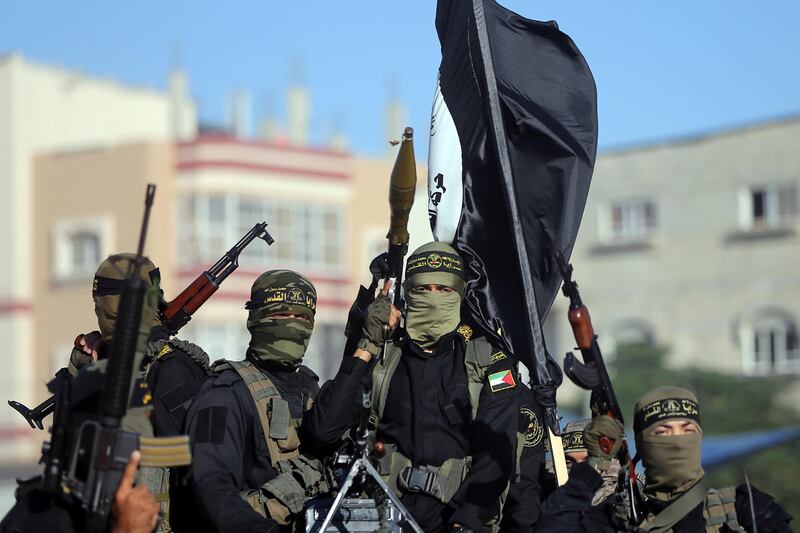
x=694, y=245
x=50, y=109
x=689, y=244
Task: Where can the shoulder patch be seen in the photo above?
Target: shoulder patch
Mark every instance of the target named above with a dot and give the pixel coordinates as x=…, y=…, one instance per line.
x=465, y=331
x=498, y=356
x=533, y=431
x=502, y=380
x=164, y=350
x=210, y=425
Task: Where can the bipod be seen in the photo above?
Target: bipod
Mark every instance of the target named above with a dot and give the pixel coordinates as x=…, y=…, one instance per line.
x=365, y=509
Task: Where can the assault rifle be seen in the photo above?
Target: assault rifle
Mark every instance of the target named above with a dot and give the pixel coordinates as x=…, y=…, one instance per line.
x=179, y=311
x=175, y=314
x=88, y=452
x=592, y=375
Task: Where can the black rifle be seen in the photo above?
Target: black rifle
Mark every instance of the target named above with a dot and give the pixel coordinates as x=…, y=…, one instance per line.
x=592, y=375
x=88, y=463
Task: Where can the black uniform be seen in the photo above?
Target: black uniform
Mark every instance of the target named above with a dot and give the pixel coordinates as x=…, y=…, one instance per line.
x=174, y=380
x=428, y=416
x=521, y=508
x=569, y=509
x=229, y=448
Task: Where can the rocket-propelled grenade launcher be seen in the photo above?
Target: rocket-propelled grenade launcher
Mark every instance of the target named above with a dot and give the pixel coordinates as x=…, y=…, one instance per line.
x=402, y=187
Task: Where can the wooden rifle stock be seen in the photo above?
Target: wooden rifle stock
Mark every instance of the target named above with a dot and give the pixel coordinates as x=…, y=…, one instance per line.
x=592, y=374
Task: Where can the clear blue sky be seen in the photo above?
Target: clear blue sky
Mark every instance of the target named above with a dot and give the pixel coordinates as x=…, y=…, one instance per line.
x=663, y=69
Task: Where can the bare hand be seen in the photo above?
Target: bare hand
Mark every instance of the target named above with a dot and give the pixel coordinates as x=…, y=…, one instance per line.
x=135, y=508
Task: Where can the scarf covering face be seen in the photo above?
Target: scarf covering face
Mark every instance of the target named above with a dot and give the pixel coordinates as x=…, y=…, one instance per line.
x=431, y=315
x=671, y=462
x=281, y=341
x=107, y=288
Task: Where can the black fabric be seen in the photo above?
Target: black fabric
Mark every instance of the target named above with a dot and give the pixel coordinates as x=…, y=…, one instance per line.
x=207, y=499
x=36, y=511
x=524, y=105
x=337, y=408
x=521, y=509
x=434, y=262
x=569, y=507
x=692, y=522
x=426, y=387
x=174, y=379
x=666, y=409
x=210, y=426
x=770, y=516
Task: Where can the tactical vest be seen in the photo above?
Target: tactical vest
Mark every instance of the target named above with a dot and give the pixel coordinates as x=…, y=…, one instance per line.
x=719, y=513
x=157, y=479
x=298, y=477
x=441, y=482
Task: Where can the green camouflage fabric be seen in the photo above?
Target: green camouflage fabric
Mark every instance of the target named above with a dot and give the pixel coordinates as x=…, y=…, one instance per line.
x=281, y=341
x=115, y=267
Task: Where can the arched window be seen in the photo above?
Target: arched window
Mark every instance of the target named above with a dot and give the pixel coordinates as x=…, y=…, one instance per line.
x=770, y=344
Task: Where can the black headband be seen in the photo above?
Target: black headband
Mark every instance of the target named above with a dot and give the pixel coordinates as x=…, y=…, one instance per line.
x=282, y=295
x=659, y=410
x=111, y=287
x=434, y=262
x=573, y=440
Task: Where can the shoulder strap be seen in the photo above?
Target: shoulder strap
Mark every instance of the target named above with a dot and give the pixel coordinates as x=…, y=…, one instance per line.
x=477, y=357
x=381, y=378
x=719, y=509
x=273, y=411
x=673, y=513
x=197, y=354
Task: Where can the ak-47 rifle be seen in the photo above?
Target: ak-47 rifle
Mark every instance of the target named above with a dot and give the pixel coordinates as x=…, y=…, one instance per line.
x=175, y=314
x=87, y=454
x=592, y=375
x=179, y=311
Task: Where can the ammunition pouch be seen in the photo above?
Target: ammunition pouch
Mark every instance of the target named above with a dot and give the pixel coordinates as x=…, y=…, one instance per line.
x=284, y=496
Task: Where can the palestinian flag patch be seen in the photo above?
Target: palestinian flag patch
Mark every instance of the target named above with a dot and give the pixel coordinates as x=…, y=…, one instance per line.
x=501, y=381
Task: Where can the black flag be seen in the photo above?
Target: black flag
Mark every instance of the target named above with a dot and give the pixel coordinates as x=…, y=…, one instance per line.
x=523, y=103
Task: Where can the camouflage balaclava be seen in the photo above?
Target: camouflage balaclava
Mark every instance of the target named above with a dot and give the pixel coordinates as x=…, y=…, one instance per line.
x=431, y=315
x=280, y=341
x=107, y=288
x=671, y=462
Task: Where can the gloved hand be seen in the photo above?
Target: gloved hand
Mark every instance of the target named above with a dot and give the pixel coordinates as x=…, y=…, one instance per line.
x=376, y=326
x=603, y=439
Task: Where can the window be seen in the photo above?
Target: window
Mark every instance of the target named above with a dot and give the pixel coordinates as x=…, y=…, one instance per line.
x=769, y=206
x=219, y=340
x=629, y=220
x=308, y=237
x=78, y=247
x=325, y=349
x=770, y=345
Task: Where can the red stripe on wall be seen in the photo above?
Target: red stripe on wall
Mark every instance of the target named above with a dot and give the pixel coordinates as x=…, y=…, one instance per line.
x=241, y=165
x=14, y=308
x=226, y=139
